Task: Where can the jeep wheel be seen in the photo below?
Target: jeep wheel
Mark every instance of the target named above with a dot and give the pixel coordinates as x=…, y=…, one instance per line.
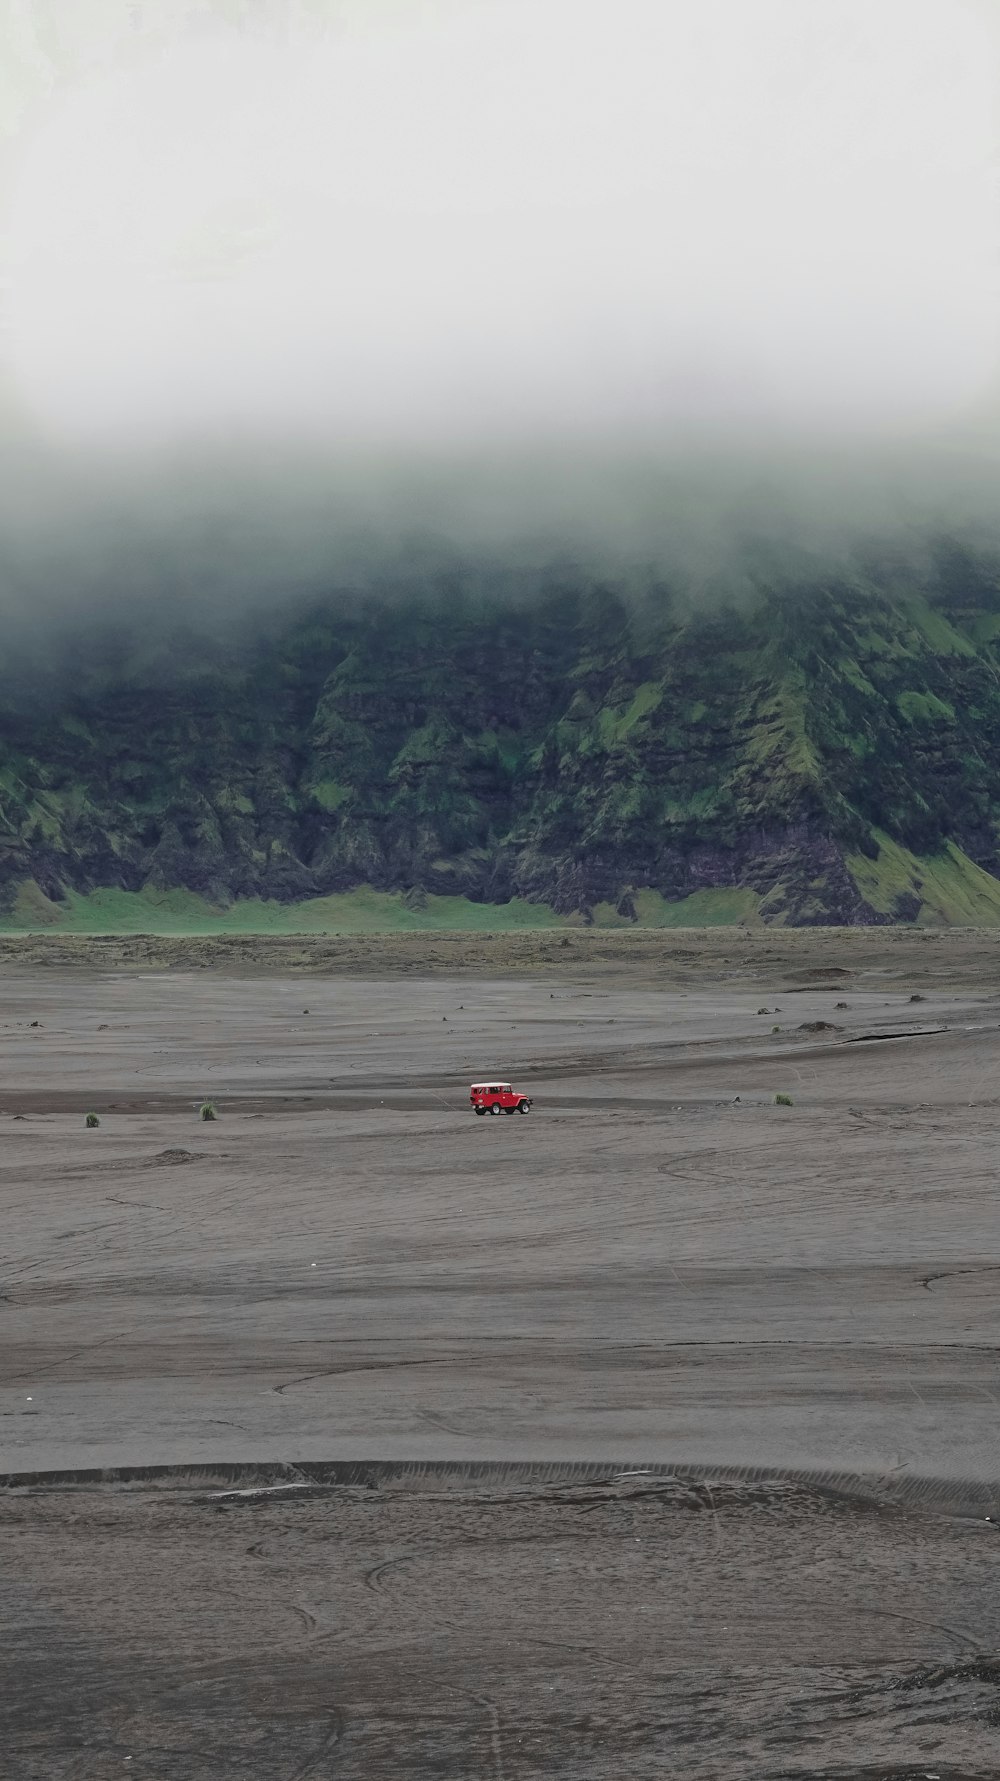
x=479, y=1112
x=523, y=1107
x=494, y=1108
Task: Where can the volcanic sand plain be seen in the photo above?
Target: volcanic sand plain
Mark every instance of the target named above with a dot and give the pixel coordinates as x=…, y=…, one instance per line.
x=349, y=1434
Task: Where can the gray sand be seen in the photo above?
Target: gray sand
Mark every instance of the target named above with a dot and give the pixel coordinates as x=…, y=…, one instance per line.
x=348, y=1266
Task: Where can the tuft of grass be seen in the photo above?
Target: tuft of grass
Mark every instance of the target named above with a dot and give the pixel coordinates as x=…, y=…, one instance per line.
x=783, y=1101
x=91, y=1121
x=776, y=1029
x=207, y=1110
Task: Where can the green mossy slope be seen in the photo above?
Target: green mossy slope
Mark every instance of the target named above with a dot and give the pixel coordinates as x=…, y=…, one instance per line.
x=826, y=752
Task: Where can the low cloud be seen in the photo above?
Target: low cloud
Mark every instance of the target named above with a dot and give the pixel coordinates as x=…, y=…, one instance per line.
x=290, y=286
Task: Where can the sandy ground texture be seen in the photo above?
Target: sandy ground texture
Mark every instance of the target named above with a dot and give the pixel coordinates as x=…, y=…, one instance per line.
x=771, y=956
x=792, y=1310
x=508, y=1626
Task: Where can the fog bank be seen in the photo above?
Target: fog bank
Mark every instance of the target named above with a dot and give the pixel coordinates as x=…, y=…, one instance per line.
x=293, y=291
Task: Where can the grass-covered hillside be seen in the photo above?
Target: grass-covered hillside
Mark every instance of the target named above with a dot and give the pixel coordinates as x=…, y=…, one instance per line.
x=829, y=753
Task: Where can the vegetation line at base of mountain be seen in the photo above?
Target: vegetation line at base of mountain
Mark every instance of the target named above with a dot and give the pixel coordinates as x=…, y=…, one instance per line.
x=363, y=911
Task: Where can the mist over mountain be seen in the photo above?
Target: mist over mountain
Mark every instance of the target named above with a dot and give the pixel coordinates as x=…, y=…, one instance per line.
x=503, y=450
x=310, y=280
x=464, y=223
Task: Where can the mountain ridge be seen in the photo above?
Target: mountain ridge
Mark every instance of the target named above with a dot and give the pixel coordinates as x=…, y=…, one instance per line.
x=830, y=751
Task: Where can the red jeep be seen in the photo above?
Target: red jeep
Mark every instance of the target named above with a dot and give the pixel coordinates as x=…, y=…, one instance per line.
x=498, y=1097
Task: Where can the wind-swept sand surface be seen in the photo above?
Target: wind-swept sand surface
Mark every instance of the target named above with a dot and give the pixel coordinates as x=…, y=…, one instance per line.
x=508, y=1625
x=794, y=1311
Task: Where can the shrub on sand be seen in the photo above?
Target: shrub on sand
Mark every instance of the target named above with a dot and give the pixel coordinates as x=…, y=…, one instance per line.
x=207, y=1110
x=91, y=1120
x=783, y=1101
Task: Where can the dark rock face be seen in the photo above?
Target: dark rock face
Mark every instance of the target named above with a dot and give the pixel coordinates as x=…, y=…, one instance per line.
x=783, y=865
x=573, y=750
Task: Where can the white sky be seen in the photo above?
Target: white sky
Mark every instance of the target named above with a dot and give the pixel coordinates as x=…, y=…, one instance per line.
x=492, y=220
